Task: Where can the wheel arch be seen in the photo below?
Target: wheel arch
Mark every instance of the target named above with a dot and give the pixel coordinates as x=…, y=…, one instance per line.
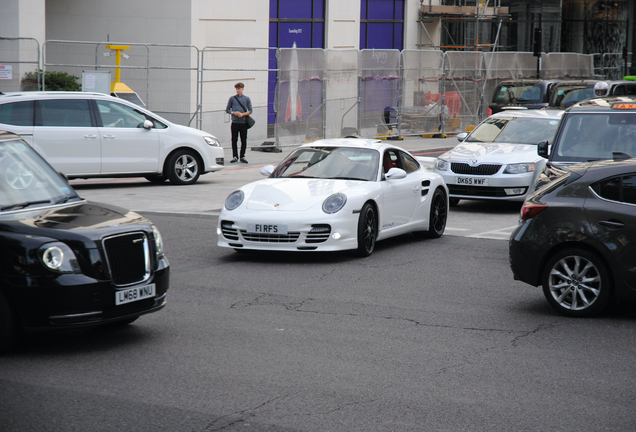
x=194, y=151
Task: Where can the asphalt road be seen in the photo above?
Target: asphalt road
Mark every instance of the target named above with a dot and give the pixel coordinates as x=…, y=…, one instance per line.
x=424, y=335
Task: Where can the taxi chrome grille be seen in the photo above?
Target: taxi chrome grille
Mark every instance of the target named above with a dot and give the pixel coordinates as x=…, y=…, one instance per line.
x=318, y=234
x=228, y=231
x=128, y=258
x=464, y=168
x=270, y=238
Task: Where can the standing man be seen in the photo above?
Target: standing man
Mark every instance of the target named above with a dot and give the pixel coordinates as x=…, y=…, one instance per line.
x=239, y=106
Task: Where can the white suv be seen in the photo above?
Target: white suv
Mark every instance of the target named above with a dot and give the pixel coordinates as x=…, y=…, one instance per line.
x=96, y=135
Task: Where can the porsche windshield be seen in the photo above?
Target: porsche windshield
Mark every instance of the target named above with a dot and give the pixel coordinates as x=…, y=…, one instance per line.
x=346, y=163
x=26, y=180
x=515, y=130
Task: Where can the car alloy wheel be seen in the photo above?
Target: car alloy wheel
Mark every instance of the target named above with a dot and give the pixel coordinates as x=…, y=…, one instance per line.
x=367, y=230
x=438, y=216
x=576, y=283
x=183, y=168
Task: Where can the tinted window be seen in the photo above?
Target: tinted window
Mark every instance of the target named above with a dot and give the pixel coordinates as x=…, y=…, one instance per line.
x=595, y=136
x=619, y=189
x=17, y=113
x=65, y=113
x=118, y=115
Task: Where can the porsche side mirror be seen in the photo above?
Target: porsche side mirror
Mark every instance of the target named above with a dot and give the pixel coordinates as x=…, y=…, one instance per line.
x=543, y=149
x=148, y=124
x=462, y=136
x=395, y=174
x=267, y=170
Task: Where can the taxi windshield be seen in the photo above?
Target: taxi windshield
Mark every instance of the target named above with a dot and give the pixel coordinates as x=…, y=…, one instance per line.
x=515, y=130
x=595, y=136
x=26, y=180
x=345, y=163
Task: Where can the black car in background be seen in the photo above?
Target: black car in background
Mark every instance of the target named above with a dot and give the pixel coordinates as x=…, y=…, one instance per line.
x=567, y=93
x=524, y=93
x=577, y=237
x=66, y=262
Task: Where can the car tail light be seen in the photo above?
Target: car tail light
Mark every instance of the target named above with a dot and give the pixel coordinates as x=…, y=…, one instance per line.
x=528, y=211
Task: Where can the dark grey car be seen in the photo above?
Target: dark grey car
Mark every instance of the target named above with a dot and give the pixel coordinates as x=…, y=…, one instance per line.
x=577, y=237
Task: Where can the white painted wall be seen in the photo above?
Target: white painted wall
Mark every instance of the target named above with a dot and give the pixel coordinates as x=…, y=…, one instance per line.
x=342, y=24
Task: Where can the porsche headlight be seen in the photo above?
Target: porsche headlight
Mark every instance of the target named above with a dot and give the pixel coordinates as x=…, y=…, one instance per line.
x=234, y=200
x=211, y=141
x=59, y=258
x=442, y=165
x=158, y=240
x=520, y=168
x=334, y=203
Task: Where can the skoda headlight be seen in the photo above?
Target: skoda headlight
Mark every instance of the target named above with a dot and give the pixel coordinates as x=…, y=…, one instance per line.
x=59, y=258
x=158, y=241
x=211, y=141
x=234, y=200
x=334, y=203
x=441, y=165
x=520, y=168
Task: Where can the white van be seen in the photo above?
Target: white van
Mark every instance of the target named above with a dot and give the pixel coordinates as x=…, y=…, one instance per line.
x=96, y=135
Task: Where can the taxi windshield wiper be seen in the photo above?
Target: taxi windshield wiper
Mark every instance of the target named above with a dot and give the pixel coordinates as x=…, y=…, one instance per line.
x=23, y=205
x=66, y=199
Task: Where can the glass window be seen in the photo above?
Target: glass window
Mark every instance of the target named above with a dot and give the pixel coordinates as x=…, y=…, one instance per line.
x=381, y=24
x=65, y=113
x=410, y=164
x=117, y=115
x=629, y=189
x=609, y=189
x=17, y=113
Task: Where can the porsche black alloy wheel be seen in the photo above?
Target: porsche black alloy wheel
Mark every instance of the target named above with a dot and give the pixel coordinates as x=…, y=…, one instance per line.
x=367, y=230
x=439, y=214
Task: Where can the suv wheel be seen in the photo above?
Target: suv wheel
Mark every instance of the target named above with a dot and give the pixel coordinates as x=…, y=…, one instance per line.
x=183, y=167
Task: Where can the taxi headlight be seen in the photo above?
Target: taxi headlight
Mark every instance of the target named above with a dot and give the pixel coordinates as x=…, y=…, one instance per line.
x=334, y=203
x=234, y=200
x=441, y=165
x=158, y=241
x=520, y=168
x=59, y=258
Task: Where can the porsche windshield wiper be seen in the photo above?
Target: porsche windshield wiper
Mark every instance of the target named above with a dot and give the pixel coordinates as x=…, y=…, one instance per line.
x=347, y=178
x=24, y=204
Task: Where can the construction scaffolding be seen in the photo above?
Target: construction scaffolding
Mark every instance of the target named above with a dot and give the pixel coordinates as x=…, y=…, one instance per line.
x=462, y=26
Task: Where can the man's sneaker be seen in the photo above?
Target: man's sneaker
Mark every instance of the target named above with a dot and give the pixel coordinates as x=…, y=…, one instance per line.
x=243, y=160
x=235, y=160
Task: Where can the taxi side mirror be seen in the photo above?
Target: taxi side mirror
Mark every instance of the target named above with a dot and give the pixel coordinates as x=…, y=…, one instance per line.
x=543, y=149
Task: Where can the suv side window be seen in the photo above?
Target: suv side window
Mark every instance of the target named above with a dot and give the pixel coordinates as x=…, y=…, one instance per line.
x=118, y=115
x=619, y=189
x=63, y=113
x=17, y=113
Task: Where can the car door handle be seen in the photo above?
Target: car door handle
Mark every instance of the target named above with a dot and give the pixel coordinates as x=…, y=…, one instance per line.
x=109, y=136
x=90, y=136
x=612, y=224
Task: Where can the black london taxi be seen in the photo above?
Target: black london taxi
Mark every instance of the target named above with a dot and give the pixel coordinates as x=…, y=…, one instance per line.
x=67, y=262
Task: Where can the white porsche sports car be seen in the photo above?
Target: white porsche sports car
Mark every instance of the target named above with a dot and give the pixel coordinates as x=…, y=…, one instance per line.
x=335, y=194
x=499, y=159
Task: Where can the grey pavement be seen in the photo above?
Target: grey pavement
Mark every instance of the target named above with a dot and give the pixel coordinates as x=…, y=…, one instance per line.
x=208, y=194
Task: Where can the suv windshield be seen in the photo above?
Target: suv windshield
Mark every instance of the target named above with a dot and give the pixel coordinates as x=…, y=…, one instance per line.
x=594, y=136
x=27, y=180
x=516, y=130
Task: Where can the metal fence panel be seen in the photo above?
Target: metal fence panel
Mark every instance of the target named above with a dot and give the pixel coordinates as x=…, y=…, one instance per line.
x=465, y=75
x=380, y=91
x=422, y=93
x=19, y=56
x=341, y=93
